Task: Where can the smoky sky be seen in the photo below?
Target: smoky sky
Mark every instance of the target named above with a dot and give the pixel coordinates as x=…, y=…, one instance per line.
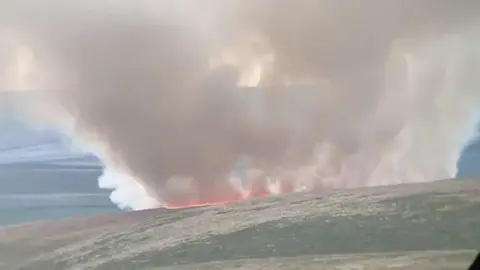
x=157, y=82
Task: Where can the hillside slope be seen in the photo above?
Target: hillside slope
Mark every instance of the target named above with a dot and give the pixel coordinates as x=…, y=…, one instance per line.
x=420, y=226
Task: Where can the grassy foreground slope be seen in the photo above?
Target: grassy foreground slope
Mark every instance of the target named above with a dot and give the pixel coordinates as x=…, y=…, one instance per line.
x=417, y=226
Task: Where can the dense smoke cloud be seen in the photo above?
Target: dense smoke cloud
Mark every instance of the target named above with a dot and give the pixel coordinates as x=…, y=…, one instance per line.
x=349, y=94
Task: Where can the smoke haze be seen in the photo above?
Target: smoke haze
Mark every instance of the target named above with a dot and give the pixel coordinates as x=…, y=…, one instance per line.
x=176, y=96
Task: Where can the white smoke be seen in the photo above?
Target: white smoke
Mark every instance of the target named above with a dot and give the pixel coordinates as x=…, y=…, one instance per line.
x=332, y=109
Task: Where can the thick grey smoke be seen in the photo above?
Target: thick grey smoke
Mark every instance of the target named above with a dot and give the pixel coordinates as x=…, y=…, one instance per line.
x=348, y=94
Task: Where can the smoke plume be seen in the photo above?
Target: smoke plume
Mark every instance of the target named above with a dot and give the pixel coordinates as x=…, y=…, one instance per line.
x=189, y=102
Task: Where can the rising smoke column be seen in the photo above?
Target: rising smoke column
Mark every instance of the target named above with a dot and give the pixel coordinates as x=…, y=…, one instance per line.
x=152, y=87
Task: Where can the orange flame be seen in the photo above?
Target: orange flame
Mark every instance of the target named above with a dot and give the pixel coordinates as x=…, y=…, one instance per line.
x=253, y=195
x=200, y=204
x=258, y=189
